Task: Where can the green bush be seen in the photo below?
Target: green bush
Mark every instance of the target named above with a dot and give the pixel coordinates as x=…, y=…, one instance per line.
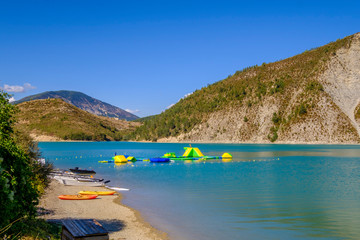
x=314, y=85
x=22, y=178
x=273, y=136
x=302, y=109
x=357, y=112
x=276, y=118
x=18, y=194
x=278, y=86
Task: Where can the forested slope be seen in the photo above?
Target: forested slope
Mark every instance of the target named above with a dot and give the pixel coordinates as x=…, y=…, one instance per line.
x=284, y=101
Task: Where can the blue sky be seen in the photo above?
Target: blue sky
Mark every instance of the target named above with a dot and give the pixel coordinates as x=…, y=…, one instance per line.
x=146, y=55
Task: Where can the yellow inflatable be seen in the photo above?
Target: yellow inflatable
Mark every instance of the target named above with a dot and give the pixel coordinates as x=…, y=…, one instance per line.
x=130, y=158
x=227, y=156
x=120, y=159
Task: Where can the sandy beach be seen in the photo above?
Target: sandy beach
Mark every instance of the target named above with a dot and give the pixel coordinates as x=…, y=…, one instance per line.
x=121, y=221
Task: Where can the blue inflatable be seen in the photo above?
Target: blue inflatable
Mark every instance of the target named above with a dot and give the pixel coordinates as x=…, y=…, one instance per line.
x=159, y=160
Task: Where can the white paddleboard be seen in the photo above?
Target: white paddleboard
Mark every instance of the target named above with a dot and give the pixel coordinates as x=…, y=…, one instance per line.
x=118, y=189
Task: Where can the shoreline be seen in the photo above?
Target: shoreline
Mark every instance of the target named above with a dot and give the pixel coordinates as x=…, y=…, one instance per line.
x=232, y=143
x=121, y=221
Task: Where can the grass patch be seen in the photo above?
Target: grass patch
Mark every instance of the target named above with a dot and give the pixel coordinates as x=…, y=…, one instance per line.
x=31, y=228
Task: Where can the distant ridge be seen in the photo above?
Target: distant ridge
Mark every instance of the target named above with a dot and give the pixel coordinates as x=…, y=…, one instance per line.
x=84, y=102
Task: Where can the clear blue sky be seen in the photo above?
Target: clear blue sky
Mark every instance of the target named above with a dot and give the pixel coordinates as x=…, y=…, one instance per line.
x=146, y=55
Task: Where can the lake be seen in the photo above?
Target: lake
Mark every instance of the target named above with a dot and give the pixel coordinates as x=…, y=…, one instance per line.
x=268, y=191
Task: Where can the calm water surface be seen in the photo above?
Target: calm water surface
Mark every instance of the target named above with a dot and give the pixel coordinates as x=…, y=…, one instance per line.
x=265, y=192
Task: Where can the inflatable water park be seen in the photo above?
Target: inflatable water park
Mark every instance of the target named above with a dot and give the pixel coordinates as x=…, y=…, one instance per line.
x=191, y=153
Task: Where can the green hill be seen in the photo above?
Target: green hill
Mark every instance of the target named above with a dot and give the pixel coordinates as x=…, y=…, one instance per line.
x=287, y=101
x=54, y=119
x=83, y=102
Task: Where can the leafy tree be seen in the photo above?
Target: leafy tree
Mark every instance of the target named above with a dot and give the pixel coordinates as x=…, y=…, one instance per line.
x=21, y=177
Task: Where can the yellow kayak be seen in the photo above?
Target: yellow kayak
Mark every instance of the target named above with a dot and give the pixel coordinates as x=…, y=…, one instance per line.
x=97, y=192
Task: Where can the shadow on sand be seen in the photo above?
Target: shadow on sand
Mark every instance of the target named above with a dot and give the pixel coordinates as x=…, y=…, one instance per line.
x=43, y=211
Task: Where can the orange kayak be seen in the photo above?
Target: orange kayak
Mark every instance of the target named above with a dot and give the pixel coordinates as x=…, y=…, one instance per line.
x=77, y=197
x=97, y=192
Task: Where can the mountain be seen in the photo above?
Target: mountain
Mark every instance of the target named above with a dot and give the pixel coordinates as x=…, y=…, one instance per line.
x=54, y=119
x=312, y=97
x=83, y=102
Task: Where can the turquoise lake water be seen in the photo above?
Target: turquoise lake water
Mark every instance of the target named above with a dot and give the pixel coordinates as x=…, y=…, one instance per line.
x=265, y=192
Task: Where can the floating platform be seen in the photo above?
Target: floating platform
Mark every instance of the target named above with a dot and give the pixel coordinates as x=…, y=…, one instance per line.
x=191, y=154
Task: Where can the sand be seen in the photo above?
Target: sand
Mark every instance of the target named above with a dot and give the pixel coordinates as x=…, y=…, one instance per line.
x=121, y=221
